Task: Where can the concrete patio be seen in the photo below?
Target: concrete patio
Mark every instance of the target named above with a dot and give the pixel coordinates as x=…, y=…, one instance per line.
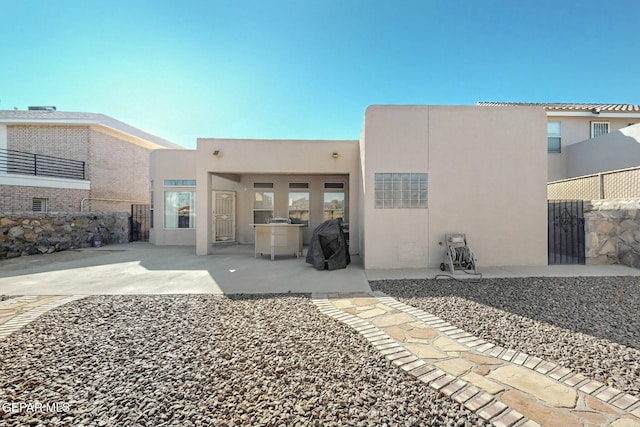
x=141, y=268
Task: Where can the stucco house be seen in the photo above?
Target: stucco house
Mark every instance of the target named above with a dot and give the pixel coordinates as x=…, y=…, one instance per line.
x=415, y=174
x=68, y=161
x=588, y=138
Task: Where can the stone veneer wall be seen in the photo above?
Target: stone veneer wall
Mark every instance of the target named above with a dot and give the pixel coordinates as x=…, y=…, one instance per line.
x=612, y=229
x=29, y=233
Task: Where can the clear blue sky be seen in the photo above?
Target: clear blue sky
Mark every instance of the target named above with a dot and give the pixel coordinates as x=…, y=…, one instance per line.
x=308, y=68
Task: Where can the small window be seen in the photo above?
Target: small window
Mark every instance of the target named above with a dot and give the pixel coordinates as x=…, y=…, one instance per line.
x=298, y=185
x=599, y=128
x=39, y=205
x=401, y=190
x=554, y=137
x=151, y=208
x=333, y=185
x=263, y=185
x=179, y=182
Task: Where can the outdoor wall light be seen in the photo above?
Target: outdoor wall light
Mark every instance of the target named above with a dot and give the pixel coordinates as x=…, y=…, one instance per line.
x=217, y=153
x=335, y=155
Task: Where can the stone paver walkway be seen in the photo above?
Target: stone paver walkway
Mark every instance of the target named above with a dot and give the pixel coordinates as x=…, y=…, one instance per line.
x=503, y=386
x=19, y=311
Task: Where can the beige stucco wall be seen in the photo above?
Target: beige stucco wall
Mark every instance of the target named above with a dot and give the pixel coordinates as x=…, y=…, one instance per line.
x=487, y=176
x=576, y=129
x=170, y=164
x=269, y=157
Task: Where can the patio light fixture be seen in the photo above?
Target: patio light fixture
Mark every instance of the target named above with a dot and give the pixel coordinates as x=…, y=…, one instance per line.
x=335, y=155
x=217, y=153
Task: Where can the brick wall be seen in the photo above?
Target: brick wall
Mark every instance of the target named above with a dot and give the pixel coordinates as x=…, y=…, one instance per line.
x=20, y=198
x=69, y=142
x=118, y=169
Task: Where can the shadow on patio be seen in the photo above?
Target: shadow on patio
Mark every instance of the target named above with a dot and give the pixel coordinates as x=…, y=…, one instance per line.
x=141, y=268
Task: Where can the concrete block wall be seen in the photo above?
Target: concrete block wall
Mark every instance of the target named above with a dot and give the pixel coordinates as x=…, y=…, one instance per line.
x=20, y=198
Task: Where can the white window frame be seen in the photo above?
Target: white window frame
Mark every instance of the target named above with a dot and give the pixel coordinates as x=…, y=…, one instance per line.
x=595, y=125
x=299, y=188
x=169, y=219
x=263, y=190
x=44, y=204
x=556, y=135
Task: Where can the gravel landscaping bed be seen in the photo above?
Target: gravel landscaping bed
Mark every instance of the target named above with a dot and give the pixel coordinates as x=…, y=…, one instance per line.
x=206, y=360
x=588, y=324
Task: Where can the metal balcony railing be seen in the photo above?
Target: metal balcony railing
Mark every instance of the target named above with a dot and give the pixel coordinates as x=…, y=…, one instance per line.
x=19, y=162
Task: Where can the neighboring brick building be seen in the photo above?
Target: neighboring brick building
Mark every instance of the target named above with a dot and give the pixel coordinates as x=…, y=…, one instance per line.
x=63, y=161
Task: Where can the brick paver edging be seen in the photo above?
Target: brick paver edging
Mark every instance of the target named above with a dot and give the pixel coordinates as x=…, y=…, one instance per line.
x=484, y=404
x=23, y=319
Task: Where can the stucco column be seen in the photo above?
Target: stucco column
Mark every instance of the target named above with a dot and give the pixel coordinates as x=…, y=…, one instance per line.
x=203, y=212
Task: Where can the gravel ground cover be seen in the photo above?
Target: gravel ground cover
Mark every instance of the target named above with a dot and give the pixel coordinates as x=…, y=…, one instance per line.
x=207, y=360
x=588, y=324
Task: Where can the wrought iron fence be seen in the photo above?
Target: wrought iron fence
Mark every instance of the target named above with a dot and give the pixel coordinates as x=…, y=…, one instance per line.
x=19, y=162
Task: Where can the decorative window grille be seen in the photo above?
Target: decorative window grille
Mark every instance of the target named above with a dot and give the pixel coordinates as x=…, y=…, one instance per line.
x=599, y=128
x=39, y=205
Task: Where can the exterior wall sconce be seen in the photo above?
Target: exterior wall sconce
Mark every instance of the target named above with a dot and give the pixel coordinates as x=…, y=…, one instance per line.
x=217, y=153
x=335, y=155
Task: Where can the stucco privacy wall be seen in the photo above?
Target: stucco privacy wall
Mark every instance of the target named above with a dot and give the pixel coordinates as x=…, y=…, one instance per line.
x=487, y=178
x=575, y=130
x=616, y=150
x=270, y=157
x=612, y=230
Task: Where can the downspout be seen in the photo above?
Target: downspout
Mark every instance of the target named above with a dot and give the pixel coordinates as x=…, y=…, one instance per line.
x=133, y=202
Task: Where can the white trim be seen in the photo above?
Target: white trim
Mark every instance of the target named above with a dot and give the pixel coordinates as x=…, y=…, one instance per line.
x=3, y=146
x=595, y=116
x=44, y=181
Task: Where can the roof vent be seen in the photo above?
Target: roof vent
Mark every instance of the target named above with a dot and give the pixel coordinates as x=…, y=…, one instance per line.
x=40, y=108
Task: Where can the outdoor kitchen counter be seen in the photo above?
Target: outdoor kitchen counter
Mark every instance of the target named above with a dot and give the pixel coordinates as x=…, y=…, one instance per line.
x=278, y=239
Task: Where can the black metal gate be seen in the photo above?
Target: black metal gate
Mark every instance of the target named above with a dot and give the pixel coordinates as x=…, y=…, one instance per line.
x=566, y=232
x=139, y=223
